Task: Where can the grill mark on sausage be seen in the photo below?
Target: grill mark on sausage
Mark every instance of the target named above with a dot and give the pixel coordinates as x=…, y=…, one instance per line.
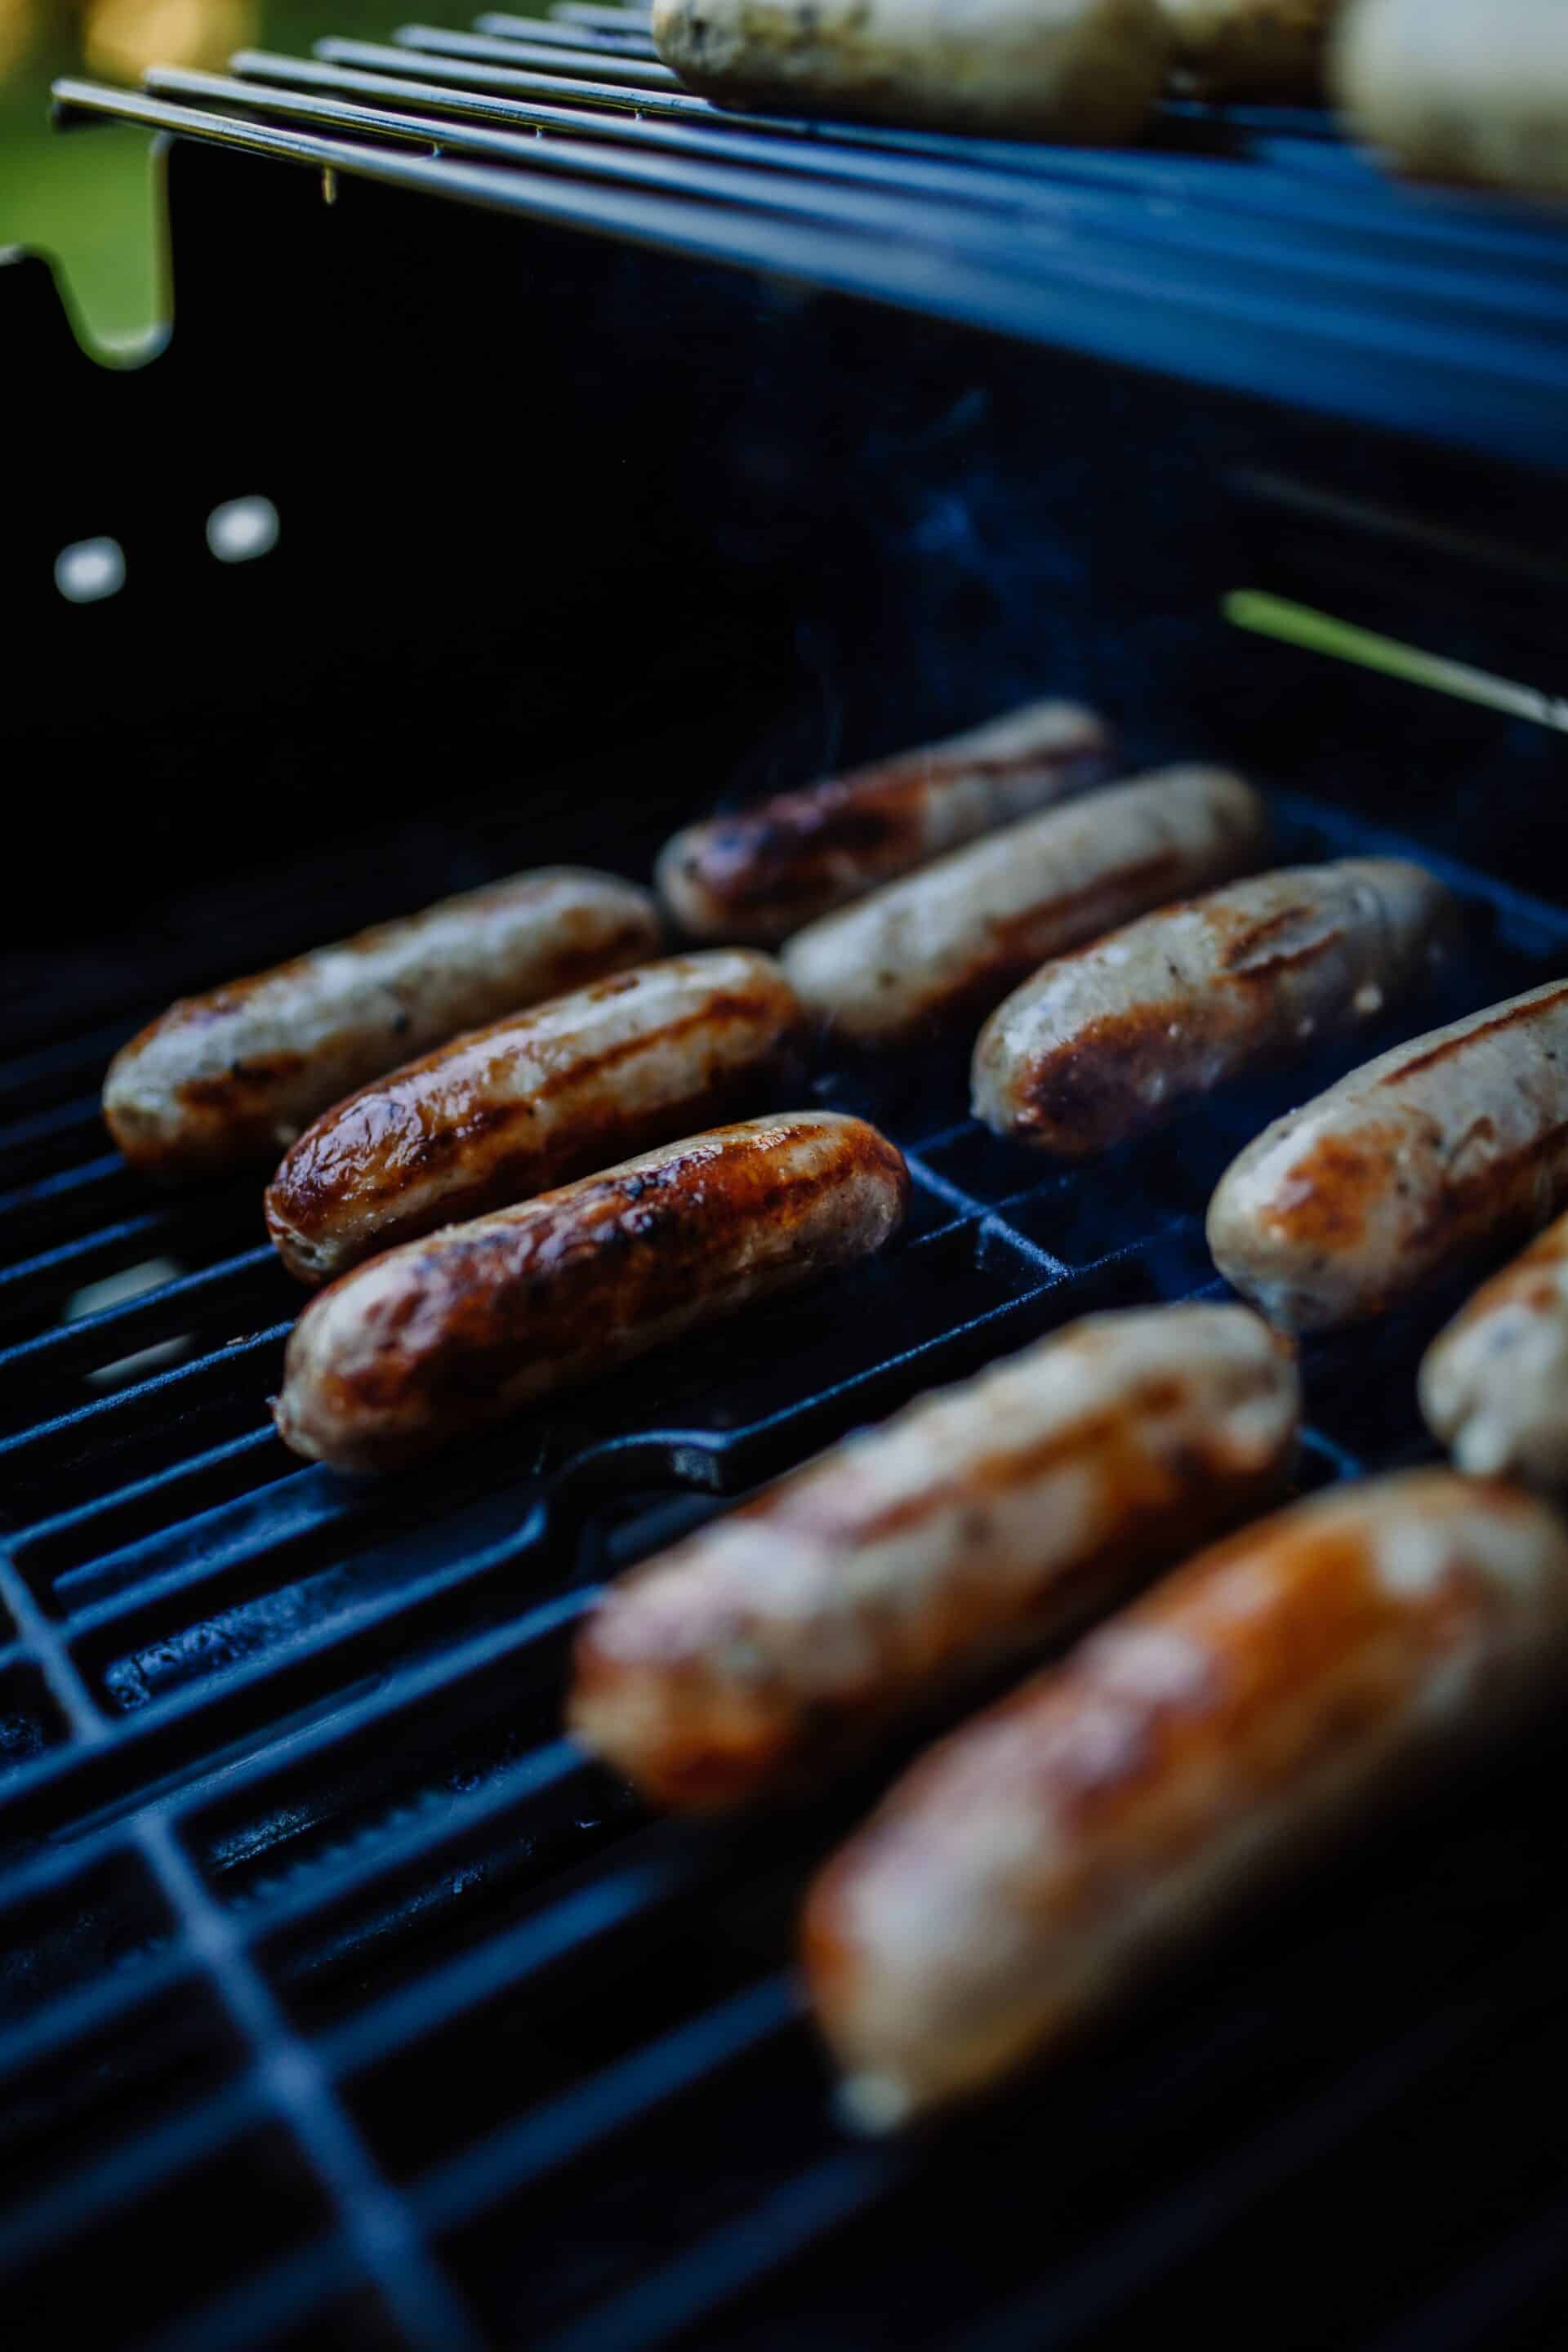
x=629, y=1248
x=874, y=813
x=1448, y=1046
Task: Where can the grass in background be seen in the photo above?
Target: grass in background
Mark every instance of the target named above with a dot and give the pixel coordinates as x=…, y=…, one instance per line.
x=86, y=199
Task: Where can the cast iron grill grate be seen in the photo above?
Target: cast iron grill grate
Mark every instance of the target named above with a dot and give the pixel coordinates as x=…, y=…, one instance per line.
x=343, y=2001
x=1249, y=249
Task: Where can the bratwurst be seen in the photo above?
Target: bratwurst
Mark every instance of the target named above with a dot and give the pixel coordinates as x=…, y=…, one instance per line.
x=764, y=872
x=951, y=940
x=1069, y=70
x=1038, y=1861
x=463, y=1329
x=231, y=1077
x=979, y=1525
x=1449, y=1147
x=534, y=1100
x=1107, y=1043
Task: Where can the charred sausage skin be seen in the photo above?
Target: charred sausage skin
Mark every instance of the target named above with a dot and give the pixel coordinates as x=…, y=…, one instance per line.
x=949, y=942
x=534, y=1101
x=462, y=1330
x=1042, y=1857
x=761, y=873
x=1107, y=1043
x=1450, y=1146
x=230, y=1078
x=983, y=1522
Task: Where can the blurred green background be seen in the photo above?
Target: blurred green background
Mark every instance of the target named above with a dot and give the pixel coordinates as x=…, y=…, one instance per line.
x=86, y=198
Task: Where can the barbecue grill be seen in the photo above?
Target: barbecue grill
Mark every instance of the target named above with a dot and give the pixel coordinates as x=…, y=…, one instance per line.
x=600, y=456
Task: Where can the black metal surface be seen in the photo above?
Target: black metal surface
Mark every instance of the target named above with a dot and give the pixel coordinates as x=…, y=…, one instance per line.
x=341, y=2001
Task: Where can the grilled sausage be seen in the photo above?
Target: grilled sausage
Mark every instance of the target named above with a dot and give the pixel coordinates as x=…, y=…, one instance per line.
x=1452, y=91
x=446, y=1334
x=1107, y=1043
x=232, y=1076
x=1043, y=1856
x=534, y=1101
x=1251, y=49
x=762, y=872
x=1066, y=69
x=951, y=941
x=1453, y=1145
x=1494, y=1385
x=979, y=1525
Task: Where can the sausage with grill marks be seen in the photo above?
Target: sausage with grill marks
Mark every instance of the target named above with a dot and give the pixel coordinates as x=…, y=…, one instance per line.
x=980, y=1523
x=1107, y=1043
x=535, y=1100
x=951, y=941
x=1494, y=1385
x=764, y=872
x=1034, y=1865
x=1449, y=1147
x=1066, y=69
x=446, y=1334
x=231, y=1077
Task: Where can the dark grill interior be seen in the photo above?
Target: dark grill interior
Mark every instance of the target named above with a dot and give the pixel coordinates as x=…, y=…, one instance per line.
x=343, y=2002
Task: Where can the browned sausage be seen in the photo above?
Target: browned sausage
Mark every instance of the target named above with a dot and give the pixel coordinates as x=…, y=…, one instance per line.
x=982, y=1523
x=534, y=1100
x=761, y=873
x=1494, y=1385
x=950, y=941
x=1451, y=1146
x=1043, y=1856
x=446, y=1334
x=1105, y=1044
x=231, y=1077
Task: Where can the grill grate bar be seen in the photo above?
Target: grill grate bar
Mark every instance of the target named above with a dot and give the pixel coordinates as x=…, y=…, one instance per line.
x=376, y=2222
x=557, y=2134
x=154, y=1315
x=630, y=38
x=85, y=1421
x=605, y=66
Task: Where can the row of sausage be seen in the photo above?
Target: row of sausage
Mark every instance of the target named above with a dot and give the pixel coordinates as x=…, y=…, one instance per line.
x=1049, y=1851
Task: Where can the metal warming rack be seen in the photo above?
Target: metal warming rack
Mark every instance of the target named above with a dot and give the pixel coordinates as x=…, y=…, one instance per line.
x=343, y=2002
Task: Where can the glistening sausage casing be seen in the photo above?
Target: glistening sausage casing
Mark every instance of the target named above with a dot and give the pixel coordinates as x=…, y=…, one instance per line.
x=1451, y=1146
x=765, y=871
x=232, y=1076
x=449, y=1334
x=951, y=940
x=980, y=1523
x=1042, y=1857
x=1104, y=1043
x=534, y=1100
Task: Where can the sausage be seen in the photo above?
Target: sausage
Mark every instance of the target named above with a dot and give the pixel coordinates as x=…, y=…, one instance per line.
x=1274, y=50
x=1107, y=1043
x=1452, y=90
x=1447, y=1147
x=951, y=941
x=1494, y=1385
x=981, y=1524
x=446, y=1334
x=1077, y=70
x=762, y=872
x=534, y=1100
x=1041, y=1858
x=231, y=1077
